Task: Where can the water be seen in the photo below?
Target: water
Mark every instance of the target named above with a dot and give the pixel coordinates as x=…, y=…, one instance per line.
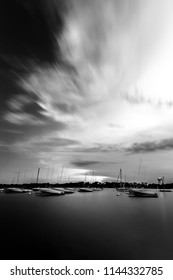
x=98, y=225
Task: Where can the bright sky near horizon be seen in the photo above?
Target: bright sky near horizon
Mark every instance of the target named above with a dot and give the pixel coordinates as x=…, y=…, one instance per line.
x=86, y=89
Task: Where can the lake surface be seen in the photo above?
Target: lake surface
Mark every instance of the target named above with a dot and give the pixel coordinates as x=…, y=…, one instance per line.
x=98, y=225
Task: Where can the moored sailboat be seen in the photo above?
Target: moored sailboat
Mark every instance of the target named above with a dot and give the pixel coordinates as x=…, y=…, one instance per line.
x=85, y=190
x=65, y=190
x=48, y=192
x=142, y=193
x=13, y=190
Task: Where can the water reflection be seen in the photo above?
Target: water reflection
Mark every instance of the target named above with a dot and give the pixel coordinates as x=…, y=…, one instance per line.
x=97, y=225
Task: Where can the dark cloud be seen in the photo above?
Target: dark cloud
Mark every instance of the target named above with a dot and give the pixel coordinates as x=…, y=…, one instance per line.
x=11, y=133
x=8, y=89
x=166, y=144
x=29, y=32
x=34, y=108
x=28, y=29
x=84, y=163
x=26, y=104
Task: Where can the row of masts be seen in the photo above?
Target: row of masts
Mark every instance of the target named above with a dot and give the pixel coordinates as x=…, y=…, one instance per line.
x=119, y=178
x=60, y=179
x=35, y=178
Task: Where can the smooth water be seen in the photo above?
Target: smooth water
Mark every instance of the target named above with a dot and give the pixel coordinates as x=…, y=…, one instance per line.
x=98, y=225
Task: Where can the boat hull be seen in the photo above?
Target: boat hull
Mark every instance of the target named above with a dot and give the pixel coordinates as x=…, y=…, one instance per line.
x=142, y=193
x=165, y=190
x=85, y=190
x=66, y=191
x=13, y=190
x=49, y=192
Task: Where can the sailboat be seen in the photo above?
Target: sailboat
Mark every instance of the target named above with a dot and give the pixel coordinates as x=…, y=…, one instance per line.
x=37, y=188
x=95, y=184
x=142, y=193
x=65, y=190
x=13, y=190
x=97, y=189
x=165, y=190
x=85, y=189
x=121, y=187
x=48, y=192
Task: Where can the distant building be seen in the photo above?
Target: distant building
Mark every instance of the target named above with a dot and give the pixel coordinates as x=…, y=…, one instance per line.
x=160, y=180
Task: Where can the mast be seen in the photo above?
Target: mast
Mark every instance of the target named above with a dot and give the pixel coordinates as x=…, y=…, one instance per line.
x=124, y=180
x=62, y=170
x=51, y=178
x=18, y=176
x=119, y=179
x=139, y=170
x=93, y=176
x=121, y=175
x=31, y=178
x=85, y=179
x=38, y=172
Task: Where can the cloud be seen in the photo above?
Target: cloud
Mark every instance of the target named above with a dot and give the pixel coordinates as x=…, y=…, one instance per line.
x=23, y=109
x=21, y=118
x=57, y=91
x=111, y=36
x=145, y=147
x=53, y=143
x=27, y=29
x=84, y=163
x=48, y=149
x=99, y=148
x=25, y=131
x=28, y=35
x=99, y=50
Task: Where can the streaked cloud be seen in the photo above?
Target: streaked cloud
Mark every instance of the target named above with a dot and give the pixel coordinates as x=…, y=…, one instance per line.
x=24, y=131
x=21, y=118
x=146, y=147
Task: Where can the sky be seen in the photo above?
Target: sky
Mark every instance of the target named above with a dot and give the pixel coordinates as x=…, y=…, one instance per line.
x=86, y=88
